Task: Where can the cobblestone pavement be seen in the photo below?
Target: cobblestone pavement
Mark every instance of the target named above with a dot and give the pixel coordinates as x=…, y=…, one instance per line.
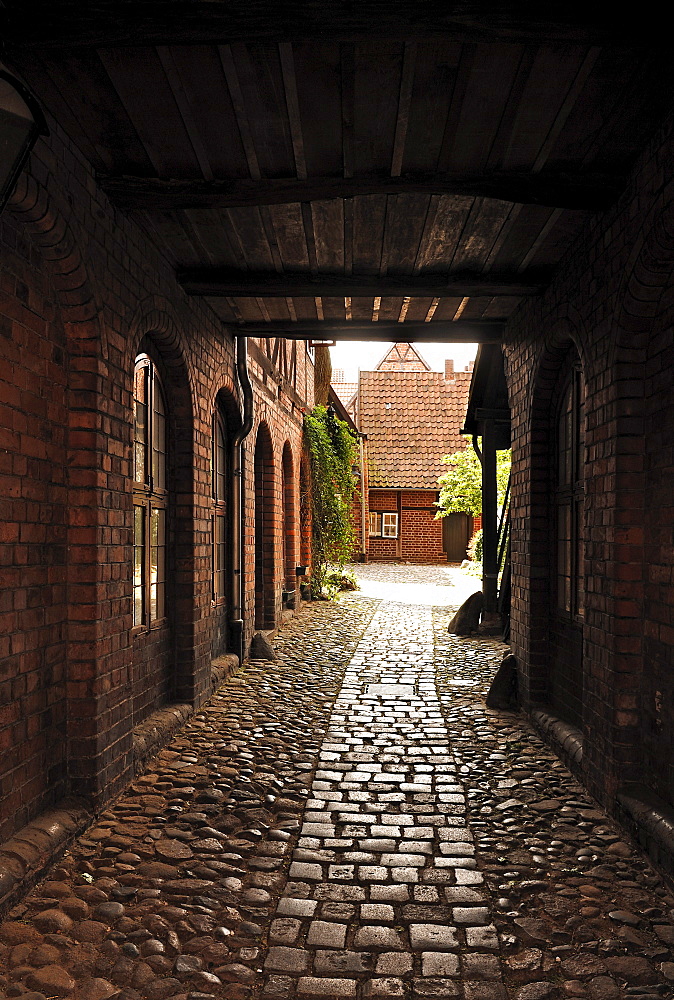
x=349, y=822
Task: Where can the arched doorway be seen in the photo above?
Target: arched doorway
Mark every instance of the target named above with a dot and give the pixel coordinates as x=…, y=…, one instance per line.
x=288, y=534
x=225, y=422
x=265, y=540
x=551, y=559
x=163, y=552
x=567, y=582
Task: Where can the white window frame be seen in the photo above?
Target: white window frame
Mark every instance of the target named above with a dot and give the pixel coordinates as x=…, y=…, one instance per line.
x=389, y=525
x=383, y=524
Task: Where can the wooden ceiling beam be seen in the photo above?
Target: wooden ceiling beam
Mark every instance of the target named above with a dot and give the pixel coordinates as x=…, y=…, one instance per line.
x=218, y=282
x=440, y=331
x=154, y=22
x=585, y=191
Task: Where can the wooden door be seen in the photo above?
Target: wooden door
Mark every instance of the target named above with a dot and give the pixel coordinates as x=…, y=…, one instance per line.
x=455, y=536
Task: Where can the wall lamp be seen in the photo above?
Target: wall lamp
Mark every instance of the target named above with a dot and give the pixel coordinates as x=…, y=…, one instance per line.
x=21, y=122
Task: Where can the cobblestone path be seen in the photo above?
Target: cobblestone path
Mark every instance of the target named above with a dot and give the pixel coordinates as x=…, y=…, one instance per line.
x=383, y=893
x=349, y=822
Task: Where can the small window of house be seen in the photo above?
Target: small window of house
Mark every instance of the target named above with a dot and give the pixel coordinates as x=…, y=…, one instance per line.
x=150, y=496
x=389, y=525
x=219, y=473
x=383, y=524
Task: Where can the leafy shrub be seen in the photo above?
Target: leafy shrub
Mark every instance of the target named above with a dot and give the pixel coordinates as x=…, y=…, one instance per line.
x=474, y=549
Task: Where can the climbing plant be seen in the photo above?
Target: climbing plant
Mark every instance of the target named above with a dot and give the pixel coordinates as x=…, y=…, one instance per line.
x=332, y=451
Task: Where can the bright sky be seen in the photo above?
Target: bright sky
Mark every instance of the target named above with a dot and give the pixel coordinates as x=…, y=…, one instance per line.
x=356, y=355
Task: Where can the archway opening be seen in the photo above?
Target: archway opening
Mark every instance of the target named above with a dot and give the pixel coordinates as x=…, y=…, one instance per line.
x=265, y=598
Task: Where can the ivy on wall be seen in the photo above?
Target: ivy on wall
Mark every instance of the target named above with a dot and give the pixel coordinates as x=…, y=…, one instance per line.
x=332, y=451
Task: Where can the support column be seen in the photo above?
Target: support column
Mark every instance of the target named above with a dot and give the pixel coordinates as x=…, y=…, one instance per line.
x=489, y=518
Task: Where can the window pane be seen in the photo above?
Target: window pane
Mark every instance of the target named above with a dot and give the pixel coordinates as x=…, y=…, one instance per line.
x=375, y=523
x=389, y=525
x=138, y=565
x=157, y=563
x=140, y=425
x=220, y=462
x=565, y=439
x=158, y=439
x=564, y=557
x=219, y=557
x=580, y=562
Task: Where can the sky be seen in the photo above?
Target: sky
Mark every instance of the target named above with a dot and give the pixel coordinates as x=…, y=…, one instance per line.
x=356, y=355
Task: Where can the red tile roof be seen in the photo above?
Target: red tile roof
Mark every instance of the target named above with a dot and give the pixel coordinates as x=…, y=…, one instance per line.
x=411, y=418
x=345, y=390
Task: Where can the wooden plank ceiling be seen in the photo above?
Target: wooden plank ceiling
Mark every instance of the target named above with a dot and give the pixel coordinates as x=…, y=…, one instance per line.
x=409, y=178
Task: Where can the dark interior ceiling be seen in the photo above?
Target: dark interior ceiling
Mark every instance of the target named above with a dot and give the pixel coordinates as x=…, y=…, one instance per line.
x=382, y=171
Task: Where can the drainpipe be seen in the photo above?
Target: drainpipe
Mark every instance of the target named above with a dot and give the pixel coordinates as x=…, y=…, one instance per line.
x=363, y=535
x=238, y=581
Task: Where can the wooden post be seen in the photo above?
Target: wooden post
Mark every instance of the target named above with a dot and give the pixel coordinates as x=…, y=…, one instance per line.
x=399, y=542
x=489, y=518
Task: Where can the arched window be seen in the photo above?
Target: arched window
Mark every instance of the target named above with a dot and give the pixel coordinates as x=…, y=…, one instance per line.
x=150, y=496
x=569, y=495
x=219, y=480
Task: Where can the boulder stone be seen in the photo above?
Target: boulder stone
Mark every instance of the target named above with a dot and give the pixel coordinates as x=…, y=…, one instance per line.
x=467, y=618
x=502, y=693
x=261, y=648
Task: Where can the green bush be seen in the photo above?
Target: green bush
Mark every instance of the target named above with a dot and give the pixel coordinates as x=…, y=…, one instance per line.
x=475, y=547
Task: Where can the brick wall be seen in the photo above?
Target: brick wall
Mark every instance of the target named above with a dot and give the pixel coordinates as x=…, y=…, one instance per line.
x=421, y=533
x=33, y=534
x=612, y=300
x=420, y=536
x=81, y=289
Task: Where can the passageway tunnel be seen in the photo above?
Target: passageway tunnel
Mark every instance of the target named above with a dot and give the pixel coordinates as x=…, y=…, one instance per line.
x=224, y=184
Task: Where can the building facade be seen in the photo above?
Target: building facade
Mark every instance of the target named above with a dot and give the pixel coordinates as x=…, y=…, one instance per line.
x=120, y=406
x=411, y=417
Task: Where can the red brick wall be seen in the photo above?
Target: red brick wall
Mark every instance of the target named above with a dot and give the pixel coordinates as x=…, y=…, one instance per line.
x=81, y=286
x=613, y=300
x=420, y=538
x=33, y=534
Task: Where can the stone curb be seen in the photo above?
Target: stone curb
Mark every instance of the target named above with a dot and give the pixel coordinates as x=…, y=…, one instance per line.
x=567, y=741
x=155, y=731
x=26, y=856
x=650, y=822
x=151, y=735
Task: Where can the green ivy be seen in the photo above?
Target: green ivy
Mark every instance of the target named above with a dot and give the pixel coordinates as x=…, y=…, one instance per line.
x=332, y=451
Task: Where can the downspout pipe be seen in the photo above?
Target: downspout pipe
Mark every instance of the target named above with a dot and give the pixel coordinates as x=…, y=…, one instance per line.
x=238, y=581
x=363, y=527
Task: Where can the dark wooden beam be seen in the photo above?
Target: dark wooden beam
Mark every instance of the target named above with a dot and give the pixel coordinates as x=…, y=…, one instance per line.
x=218, y=282
x=441, y=331
x=156, y=22
x=584, y=191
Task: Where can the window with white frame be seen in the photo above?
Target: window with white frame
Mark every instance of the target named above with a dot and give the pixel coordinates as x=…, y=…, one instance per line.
x=150, y=496
x=383, y=524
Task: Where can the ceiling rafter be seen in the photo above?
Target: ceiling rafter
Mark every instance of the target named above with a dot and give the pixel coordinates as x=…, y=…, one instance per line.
x=589, y=191
x=444, y=331
x=201, y=21
x=217, y=281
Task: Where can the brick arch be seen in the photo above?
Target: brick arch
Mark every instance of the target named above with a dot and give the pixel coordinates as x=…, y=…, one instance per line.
x=222, y=382
x=265, y=528
x=154, y=317
x=154, y=331
x=289, y=534
x=93, y=630
x=48, y=223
